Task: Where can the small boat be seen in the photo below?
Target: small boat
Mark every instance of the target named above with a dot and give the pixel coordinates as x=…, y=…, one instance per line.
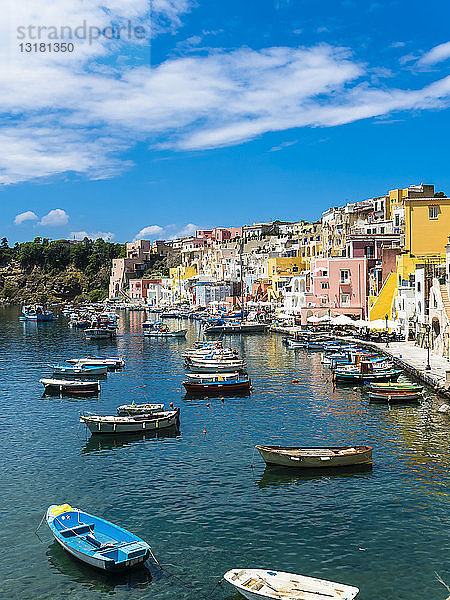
x=99, y=333
x=36, y=312
x=94, y=540
x=395, y=387
x=65, y=386
x=255, y=584
x=112, y=362
x=216, y=383
x=304, y=457
x=236, y=327
x=130, y=424
x=387, y=396
x=292, y=343
x=216, y=366
x=127, y=410
x=79, y=370
x=181, y=333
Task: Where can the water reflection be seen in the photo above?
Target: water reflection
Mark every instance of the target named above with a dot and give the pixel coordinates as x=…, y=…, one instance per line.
x=274, y=476
x=100, y=443
x=95, y=579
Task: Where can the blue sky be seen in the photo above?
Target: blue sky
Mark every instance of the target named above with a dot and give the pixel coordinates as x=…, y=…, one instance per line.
x=233, y=112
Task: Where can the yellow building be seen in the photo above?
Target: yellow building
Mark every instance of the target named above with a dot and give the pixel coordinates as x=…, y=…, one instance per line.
x=397, y=197
x=182, y=272
x=280, y=270
x=427, y=226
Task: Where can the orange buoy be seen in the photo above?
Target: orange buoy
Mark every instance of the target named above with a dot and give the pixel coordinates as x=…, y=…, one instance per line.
x=204, y=432
x=223, y=400
x=294, y=381
x=171, y=405
x=208, y=404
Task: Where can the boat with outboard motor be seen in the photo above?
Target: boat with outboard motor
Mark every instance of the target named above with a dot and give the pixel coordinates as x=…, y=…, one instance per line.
x=79, y=370
x=112, y=362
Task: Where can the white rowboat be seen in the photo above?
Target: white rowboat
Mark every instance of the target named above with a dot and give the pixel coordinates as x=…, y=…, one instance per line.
x=255, y=584
x=300, y=458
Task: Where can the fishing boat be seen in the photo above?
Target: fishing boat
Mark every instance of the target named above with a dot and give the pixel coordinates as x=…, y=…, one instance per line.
x=386, y=396
x=36, y=312
x=94, y=540
x=127, y=410
x=255, y=584
x=236, y=327
x=293, y=343
x=66, y=386
x=79, y=370
x=165, y=332
x=215, y=366
x=313, y=458
x=215, y=383
x=112, y=362
x=97, y=332
x=395, y=387
x=130, y=424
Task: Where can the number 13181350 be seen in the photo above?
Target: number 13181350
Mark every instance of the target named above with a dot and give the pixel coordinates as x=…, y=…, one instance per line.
x=47, y=47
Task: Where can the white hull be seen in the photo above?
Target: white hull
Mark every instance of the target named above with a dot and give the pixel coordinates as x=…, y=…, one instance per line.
x=90, y=560
x=177, y=334
x=118, y=425
x=256, y=584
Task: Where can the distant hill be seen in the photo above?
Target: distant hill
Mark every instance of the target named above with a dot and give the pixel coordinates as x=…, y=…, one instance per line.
x=45, y=271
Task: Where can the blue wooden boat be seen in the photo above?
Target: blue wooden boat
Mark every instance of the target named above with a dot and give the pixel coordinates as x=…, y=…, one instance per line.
x=36, y=312
x=94, y=540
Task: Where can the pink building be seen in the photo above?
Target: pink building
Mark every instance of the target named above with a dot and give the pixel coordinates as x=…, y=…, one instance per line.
x=337, y=286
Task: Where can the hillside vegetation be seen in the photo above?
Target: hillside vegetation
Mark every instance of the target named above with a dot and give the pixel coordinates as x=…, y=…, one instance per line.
x=45, y=271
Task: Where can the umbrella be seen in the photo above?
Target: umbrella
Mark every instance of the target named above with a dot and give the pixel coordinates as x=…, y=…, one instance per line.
x=361, y=323
x=377, y=324
x=313, y=319
x=324, y=319
x=342, y=320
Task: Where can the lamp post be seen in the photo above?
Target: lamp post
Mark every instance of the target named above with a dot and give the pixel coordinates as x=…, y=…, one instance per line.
x=387, y=331
x=428, y=367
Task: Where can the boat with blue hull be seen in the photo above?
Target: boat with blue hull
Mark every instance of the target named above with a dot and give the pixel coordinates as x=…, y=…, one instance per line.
x=79, y=370
x=36, y=313
x=94, y=540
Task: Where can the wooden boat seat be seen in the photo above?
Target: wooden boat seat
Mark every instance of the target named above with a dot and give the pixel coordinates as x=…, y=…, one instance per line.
x=77, y=529
x=98, y=544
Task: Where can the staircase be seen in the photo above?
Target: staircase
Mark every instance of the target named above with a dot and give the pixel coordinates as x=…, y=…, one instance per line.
x=445, y=300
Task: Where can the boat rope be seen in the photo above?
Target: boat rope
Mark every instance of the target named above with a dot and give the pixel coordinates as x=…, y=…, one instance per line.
x=39, y=526
x=183, y=582
x=253, y=456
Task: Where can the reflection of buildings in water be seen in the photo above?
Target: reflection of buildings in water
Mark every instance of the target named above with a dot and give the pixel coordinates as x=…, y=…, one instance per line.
x=274, y=476
x=105, y=442
x=423, y=445
x=95, y=579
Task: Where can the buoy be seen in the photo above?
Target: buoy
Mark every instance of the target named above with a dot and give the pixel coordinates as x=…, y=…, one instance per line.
x=208, y=404
x=223, y=400
x=294, y=381
x=204, y=432
x=171, y=405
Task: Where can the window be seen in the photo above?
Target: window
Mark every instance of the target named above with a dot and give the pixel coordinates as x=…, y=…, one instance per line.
x=324, y=273
x=345, y=299
x=397, y=220
x=345, y=276
x=369, y=252
x=432, y=212
x=381, y=229
x=325, y=285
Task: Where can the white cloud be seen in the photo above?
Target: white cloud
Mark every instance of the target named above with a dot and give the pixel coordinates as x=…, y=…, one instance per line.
x=187, y=231
x=150, y=232
x=436, y=55
x=92, y=110
x=55, y=218
x=80, y=235
x=28, y=215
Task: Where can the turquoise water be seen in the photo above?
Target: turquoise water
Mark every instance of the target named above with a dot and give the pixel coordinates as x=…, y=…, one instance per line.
x=194, y=497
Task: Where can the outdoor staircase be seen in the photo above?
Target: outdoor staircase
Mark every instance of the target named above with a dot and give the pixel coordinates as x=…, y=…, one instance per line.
x=445, y=300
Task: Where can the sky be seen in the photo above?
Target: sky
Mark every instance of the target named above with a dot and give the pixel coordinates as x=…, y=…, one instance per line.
x=203, y=113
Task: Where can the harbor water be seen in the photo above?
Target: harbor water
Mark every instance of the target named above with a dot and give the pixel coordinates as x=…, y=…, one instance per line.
x=194, y=496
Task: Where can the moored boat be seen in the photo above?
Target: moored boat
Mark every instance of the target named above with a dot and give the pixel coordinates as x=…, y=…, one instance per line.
x=181, y=333
x=305, y=457
x=94, y=540
x=126, y=410
x=255, y=584
x=130, y=424
x=216, y=383
x=66, y=386
x=215, y=366
x=79, y=370
x=112, y=362
x=236, y=327
x=390, y=396
x=395, y=387
x=36, y=312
